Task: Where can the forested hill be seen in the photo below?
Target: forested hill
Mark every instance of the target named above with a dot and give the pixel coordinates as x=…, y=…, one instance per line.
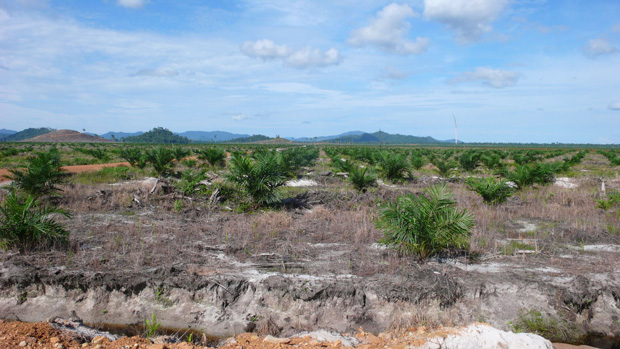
x=26, y=134
x=158, y=135
x=381, y=137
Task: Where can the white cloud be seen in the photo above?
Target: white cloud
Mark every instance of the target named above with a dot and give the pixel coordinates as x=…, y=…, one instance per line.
x=468, y=18
x=614, y=106
x=598, y=47
x=303, y=58
x=239, y=117
x=265, y=49
x=131, y=3
x=388, y=30
x=308, y=57
x=491, y=77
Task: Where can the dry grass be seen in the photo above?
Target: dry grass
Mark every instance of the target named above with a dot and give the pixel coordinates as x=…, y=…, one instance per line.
x=123, y=226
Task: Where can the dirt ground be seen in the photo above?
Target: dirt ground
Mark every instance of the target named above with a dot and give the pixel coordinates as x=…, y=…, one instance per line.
x=202, y=262
x=71, y=169
x=15, y=334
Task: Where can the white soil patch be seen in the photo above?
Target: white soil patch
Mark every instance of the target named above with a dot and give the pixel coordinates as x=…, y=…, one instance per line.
x=527, y=227
x=147, y=180
x=301, y=183
x=565, y=182
x=601, y=248
x=383, y=184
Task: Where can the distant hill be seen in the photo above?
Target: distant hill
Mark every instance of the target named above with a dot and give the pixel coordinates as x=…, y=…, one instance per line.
x=211, y=136
x=119, y=135
x=66, y=136
x=278, y=140
x=325, y=138
x=251, y=139
x=385, y=138
x=27, y=133
x=158, y=135
x=4, y=132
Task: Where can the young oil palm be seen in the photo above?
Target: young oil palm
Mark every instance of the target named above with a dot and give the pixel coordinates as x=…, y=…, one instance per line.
x=24, y=223
x=260, y=179
x=425, y=225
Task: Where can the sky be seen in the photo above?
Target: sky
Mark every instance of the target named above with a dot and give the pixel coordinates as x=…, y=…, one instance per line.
x=507, y=70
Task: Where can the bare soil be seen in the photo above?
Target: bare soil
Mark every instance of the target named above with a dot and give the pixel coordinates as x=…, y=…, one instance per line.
x=315, y=263
x=67, y=136
x=71, y=169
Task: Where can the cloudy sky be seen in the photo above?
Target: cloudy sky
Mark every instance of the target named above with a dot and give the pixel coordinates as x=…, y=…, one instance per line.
x=509, y=70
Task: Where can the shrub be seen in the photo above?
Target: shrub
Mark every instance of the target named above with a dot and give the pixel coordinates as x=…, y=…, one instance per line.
x=161, y=160
x=259, y=179
x=425, y=225
x=493, y=192
x=549, y=327
x=25, y=224
x=214, y=156
x=41, y=175
x=362, y=178
x=609, y=201
x=393, y=166
x=189, y=181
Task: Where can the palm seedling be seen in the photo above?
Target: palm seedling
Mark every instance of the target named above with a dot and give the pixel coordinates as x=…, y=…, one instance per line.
x=260, y=179
x=393, y=166
x=493, y=192
x=425, y=225
x=41, y=176
x=25, y=224
x=134, y=157
x=214, y=156
x=362, y=178
x=161, y=160
x=444, y=168
x=180, y=153
x=469, y=160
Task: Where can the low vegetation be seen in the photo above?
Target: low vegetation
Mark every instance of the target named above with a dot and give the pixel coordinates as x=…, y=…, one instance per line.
x=425, y=225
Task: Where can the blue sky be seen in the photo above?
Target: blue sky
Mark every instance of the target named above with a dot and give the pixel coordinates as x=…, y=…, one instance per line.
x=509, y=70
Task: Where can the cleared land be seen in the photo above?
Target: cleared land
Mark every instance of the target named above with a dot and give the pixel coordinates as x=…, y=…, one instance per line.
x=209, y=258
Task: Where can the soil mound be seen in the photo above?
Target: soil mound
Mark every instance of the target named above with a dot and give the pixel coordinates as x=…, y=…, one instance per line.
x=67, y=136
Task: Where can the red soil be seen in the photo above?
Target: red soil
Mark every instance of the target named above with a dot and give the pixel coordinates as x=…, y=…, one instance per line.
x=72, y=169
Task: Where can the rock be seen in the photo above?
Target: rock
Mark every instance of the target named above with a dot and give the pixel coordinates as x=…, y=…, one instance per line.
x=59, y=346
x=332, y=337
x=98, y=340
x=276, y=340
x=54, y=340
x=23, y=344
x=326, y=173
x=482, y=336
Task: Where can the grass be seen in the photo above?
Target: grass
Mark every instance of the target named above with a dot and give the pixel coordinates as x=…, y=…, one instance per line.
x=533, y=321
x=106, y=175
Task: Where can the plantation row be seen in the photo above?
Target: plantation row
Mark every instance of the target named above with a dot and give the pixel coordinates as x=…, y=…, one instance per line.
x=253, y=175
